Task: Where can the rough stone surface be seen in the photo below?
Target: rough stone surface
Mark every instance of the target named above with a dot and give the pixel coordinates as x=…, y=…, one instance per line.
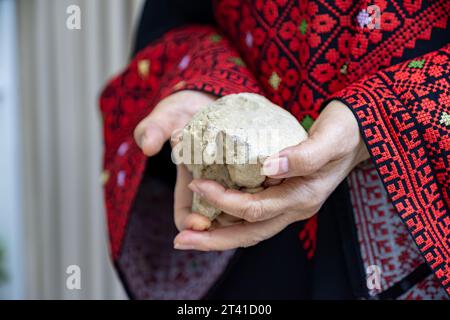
x=228, y=140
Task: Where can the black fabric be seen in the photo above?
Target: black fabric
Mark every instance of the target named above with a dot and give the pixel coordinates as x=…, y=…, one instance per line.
x=338, y=272
x=159, y=16
x=166, y=171
x=278, y=269
x=274, y=269
x=343, y=209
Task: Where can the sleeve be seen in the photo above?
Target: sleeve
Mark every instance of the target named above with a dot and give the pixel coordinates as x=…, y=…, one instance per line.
x=404, y=117
x=193, y=57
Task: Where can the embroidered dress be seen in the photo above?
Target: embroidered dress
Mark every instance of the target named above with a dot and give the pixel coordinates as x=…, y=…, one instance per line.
x=389, y=63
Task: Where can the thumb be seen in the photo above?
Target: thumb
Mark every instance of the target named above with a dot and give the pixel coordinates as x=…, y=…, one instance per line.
x=170, y=114
x=302, y=159
x=155, y=129
x=152, y=138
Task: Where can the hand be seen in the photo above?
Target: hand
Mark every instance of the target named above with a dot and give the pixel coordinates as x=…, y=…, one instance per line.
x=311, y=171
x=170, y=115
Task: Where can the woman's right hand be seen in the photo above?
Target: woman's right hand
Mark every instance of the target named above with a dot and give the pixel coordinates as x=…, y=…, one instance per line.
x=170, y=115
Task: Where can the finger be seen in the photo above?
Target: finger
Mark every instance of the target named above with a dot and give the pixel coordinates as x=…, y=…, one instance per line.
x=195, y=221
x=170, y=114
x=154, y=130
x=183, y=216
x=299, y=160
x=302, y=159
x=250, y=207
x=150, y=136
x=182, y=196
x=236, y=236
x=331, y=137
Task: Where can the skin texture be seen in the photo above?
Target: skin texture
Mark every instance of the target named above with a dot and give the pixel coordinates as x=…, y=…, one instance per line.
x=302, y=177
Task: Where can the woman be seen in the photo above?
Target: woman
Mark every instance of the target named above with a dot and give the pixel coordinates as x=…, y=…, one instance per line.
x=362, y=210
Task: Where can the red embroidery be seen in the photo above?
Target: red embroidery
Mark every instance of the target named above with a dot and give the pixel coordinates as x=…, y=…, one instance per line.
x=400, y=122
x=299, y=53
x=129, y=97
x=308, y=236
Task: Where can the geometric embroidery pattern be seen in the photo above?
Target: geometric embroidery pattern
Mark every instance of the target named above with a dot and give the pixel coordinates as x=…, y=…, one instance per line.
x=384, y=239
x=399, y=117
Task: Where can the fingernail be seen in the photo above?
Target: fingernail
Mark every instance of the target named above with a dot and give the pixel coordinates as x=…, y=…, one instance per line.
x=274, y=167
x=180, y=246
x=196, y=189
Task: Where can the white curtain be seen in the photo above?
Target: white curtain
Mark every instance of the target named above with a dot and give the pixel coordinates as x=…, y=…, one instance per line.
x=61, y=74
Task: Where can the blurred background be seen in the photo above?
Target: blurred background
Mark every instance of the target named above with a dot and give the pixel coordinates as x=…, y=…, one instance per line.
x=51, y=201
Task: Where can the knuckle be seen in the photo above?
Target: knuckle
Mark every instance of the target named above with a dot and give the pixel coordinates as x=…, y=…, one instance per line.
x=253, y=211
x=314, y=206
x=310, y=211
x=306, y=161
x=289, y=203
x=312, y=200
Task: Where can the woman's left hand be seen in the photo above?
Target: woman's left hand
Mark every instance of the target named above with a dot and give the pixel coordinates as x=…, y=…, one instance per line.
x=311, y=171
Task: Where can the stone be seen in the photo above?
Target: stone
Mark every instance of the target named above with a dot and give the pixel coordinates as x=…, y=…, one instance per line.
x=228, y=140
